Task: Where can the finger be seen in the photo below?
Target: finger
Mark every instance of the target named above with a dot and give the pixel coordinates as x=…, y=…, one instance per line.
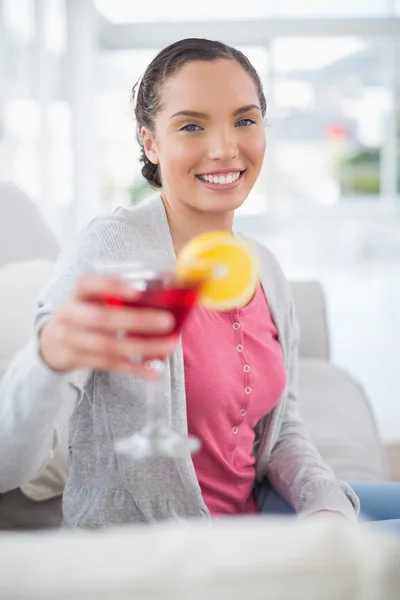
x=104, y=318
x=113, y=348
x=94, y=286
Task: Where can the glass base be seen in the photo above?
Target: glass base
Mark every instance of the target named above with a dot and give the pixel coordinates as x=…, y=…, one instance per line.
x=156, y=440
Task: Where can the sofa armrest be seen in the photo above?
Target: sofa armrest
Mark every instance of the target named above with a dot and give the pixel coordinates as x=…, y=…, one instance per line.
x=310, y=305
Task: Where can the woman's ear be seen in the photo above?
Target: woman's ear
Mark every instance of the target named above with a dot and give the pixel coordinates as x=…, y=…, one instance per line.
x=149, y=145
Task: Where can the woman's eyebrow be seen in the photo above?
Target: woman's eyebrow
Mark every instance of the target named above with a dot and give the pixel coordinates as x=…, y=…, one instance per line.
x=245, y=109
x=200, y=115
x=189, y=113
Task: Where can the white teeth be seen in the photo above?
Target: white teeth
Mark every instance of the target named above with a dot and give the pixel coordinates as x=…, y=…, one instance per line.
x=221, y=179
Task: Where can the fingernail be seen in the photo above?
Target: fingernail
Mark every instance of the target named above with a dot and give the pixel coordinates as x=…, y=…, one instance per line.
x=165, y=321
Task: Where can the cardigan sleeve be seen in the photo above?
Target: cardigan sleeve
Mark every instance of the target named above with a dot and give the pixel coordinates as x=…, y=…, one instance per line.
x=35, y=401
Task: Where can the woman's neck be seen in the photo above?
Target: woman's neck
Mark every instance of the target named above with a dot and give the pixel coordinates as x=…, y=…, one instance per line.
x=186, y=223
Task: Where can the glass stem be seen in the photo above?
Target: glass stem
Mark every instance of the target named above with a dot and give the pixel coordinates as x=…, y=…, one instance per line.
x=153, y=414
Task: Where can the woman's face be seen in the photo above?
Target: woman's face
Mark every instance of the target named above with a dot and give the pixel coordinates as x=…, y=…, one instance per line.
x=209, y=138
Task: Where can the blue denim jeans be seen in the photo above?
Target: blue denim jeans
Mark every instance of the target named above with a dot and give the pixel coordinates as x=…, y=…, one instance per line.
x=380, y=503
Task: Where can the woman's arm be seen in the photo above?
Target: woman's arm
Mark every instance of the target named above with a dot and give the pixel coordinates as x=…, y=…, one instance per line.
x=296, y=470
x=75, y=334
x=35, y=401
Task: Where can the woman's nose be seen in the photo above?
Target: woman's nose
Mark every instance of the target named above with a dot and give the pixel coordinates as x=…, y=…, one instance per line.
x=223, y=145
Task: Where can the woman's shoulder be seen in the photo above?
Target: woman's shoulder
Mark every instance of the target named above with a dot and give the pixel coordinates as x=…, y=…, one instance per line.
x=125, y=225
x=118, y=235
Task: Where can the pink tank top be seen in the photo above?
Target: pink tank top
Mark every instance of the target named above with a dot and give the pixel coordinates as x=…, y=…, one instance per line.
x=234, y=375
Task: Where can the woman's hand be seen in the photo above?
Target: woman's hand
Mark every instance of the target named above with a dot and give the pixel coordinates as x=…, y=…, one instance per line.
x=85, y=332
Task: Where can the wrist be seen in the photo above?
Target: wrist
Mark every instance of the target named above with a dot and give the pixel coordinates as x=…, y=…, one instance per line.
x=49, y=352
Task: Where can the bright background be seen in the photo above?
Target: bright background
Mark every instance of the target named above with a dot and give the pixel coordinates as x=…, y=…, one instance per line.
x=328, y=200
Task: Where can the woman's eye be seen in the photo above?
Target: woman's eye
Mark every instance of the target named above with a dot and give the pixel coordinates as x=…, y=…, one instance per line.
x=245, y=122
x=190, y=127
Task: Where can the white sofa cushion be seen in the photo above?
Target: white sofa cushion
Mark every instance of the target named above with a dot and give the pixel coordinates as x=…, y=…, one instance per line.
x=310, y=305
x=20, y=284
x=237, y=558
x=24, y=234
x=340, y=421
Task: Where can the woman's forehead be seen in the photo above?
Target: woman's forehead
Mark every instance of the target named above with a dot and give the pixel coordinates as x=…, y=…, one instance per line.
x=217, y=83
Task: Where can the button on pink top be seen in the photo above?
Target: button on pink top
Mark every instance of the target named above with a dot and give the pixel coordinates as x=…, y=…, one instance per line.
x=234, y=375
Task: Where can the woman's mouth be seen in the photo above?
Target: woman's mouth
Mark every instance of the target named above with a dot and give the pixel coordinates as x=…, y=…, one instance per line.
x=221, y=181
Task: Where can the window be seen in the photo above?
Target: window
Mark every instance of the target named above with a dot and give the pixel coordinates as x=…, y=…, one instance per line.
x=36, y=139
x=330, y=103
x=120, y=174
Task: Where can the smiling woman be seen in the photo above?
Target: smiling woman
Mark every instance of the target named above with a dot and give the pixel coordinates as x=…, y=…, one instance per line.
x=230, y=379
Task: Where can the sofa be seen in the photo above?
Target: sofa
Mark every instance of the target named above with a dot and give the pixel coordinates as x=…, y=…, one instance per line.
x=333, y=404
x=257, y=558
x=24, y=234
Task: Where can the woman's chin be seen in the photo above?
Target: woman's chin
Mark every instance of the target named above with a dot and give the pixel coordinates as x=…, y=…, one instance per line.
x=219, y=204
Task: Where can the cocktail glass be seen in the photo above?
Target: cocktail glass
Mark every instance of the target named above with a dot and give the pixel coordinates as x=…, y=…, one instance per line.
x=158, y=288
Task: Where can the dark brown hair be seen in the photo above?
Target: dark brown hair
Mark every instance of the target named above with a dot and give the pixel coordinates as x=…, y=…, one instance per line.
x=146, y=97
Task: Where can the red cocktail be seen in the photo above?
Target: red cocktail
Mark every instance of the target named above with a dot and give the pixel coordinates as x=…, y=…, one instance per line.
x=176, y=299
x=158, y=288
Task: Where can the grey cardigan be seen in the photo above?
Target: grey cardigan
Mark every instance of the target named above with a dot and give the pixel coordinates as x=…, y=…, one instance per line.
x=105, y=488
